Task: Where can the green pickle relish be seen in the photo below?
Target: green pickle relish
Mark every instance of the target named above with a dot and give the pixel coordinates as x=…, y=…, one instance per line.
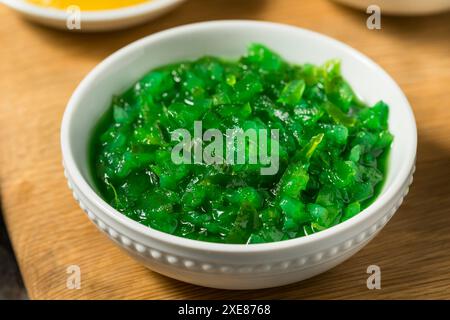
x=332, y=153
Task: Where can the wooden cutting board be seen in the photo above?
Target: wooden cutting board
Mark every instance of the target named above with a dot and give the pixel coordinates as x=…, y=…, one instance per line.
x=40, y=68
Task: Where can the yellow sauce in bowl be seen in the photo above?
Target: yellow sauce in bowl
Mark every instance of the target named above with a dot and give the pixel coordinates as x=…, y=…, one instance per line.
x=87, y=4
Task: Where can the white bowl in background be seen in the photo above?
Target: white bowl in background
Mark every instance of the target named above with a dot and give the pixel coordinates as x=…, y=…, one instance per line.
x=402, y=7
x=98, y=20
x=232, y=266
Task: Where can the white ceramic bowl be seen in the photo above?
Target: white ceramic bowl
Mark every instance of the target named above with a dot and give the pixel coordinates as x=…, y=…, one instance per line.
x=101, y=20
x=225, y=265
x=402, y=7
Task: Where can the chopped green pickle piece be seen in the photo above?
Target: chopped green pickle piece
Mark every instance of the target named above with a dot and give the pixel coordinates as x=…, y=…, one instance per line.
x=332, y=149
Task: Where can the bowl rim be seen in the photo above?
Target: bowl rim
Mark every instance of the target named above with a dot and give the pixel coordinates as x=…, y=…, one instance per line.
x=126, y=12
x=388, y=195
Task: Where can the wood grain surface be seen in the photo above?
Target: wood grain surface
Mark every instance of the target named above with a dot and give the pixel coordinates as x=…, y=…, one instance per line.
x=40, y=68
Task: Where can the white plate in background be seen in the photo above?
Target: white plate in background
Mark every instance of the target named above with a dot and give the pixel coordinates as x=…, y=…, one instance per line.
x=401, y=7
x=98, y=20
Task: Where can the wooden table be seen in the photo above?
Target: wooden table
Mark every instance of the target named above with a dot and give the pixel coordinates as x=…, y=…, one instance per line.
x=39, y=69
